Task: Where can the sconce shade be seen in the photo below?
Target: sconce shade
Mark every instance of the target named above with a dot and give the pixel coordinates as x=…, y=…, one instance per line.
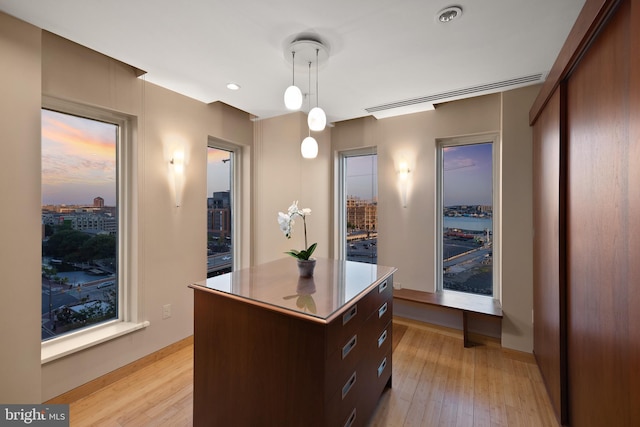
x=403, y=171
x=403, y=176
x=309, y=148
x=177, y=161
x=317, y=119
x=293, y=98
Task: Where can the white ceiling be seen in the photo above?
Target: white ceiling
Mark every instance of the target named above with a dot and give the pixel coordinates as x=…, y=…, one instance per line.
x=381, y=51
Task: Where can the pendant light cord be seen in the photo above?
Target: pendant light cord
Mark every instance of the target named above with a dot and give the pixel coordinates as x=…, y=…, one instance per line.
x=317, y=91
x=309, y=94
x=293, y=68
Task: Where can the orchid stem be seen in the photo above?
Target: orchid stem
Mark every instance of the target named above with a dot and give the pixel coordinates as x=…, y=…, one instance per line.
x=304, y=222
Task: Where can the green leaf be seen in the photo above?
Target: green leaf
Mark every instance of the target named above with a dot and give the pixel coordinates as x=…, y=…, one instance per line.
x=304, y=254
x=311, y=249
x=294, y=253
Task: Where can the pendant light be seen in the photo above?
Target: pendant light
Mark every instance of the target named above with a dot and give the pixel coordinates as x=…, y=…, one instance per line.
x=317, y=119
x=309, y=145
x=293, y=94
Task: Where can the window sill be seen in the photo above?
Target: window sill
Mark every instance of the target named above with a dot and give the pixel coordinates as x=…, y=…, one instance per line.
x=73, y=343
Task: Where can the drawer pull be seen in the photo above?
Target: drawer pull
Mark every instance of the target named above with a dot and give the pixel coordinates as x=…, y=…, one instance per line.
x=351, y=418
x=382, y=287
x=349, y=346
x=347, y=387
x=382, y=310
x=382, y=366
x=382, y=338
x=349, y=315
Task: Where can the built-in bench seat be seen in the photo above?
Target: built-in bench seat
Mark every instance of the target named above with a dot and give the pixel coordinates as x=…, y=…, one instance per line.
x=454, y=300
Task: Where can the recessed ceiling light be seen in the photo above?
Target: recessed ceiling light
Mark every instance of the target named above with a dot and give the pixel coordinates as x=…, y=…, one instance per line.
x=450, y=13
x=233, y=86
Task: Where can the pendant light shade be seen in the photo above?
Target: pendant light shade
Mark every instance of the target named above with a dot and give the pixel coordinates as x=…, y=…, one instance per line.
x=317, y=119
x=293, y=98
x=293, y=94
x=309, y=148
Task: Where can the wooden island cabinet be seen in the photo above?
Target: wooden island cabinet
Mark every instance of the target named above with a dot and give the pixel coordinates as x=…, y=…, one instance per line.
x=274, y=349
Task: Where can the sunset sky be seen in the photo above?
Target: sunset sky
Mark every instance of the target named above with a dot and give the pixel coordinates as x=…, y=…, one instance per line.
x=468, y=175
x=78, y=160
x=362, y=176
x=218, y=172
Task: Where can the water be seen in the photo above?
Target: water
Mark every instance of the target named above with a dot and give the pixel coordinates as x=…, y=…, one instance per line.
x=468, y=223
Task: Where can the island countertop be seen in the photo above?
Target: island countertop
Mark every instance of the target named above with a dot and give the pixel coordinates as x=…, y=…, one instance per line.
x=277, y=286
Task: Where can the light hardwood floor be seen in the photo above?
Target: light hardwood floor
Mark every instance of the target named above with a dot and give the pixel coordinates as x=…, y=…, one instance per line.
x=436, y=382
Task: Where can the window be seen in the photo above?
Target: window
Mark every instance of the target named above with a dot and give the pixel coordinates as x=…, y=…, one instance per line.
x=87, y=228
x=221, y=167
x=79, y=222
x=466, y=221
x=359, y=198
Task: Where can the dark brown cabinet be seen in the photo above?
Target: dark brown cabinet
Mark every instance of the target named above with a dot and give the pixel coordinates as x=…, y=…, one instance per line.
x=586, y=126
x=267, y=352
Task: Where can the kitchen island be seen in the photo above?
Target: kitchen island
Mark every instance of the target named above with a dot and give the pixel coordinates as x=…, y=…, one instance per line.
x=274, y=349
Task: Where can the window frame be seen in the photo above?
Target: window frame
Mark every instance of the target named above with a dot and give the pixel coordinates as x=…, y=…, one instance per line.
x=129, y=314
x=235, y=196
x=494, y=139
x=341, y=211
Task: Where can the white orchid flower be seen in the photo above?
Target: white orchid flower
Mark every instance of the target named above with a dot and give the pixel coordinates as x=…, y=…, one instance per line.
x=286, y=222
x=293, y=209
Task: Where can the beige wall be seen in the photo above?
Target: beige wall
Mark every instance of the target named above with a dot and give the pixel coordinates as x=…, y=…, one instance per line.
x=407, y=236
x=517, y=219
x=20, y=288
x=281, y=176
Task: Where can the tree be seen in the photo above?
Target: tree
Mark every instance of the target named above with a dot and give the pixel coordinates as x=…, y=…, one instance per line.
x=102, y=246
x=66, y=244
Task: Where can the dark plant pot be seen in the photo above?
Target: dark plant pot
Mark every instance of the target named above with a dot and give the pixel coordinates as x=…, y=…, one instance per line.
x=306, y=266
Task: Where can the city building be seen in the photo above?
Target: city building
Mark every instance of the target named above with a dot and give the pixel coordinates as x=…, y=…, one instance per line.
x=98, y=202
x=219, y=215
x=362, y=215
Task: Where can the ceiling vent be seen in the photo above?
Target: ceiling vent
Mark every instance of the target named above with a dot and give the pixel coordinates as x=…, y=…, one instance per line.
x=410, y=105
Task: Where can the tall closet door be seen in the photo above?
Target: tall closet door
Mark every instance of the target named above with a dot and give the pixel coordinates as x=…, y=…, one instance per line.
x=633, y=316
x=548, y=259
x=603, y=230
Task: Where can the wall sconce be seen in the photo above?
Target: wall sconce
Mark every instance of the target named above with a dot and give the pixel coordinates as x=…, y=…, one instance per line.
x=177, y=163
x=403, y=176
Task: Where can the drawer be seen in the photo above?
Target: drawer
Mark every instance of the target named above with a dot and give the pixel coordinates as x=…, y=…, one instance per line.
x=380, y=294
x=382, y=315
x=343, y=362
x=377, y=343
x=342, y=403
x=375, y=375
x=345, y=326
x=370, y=387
